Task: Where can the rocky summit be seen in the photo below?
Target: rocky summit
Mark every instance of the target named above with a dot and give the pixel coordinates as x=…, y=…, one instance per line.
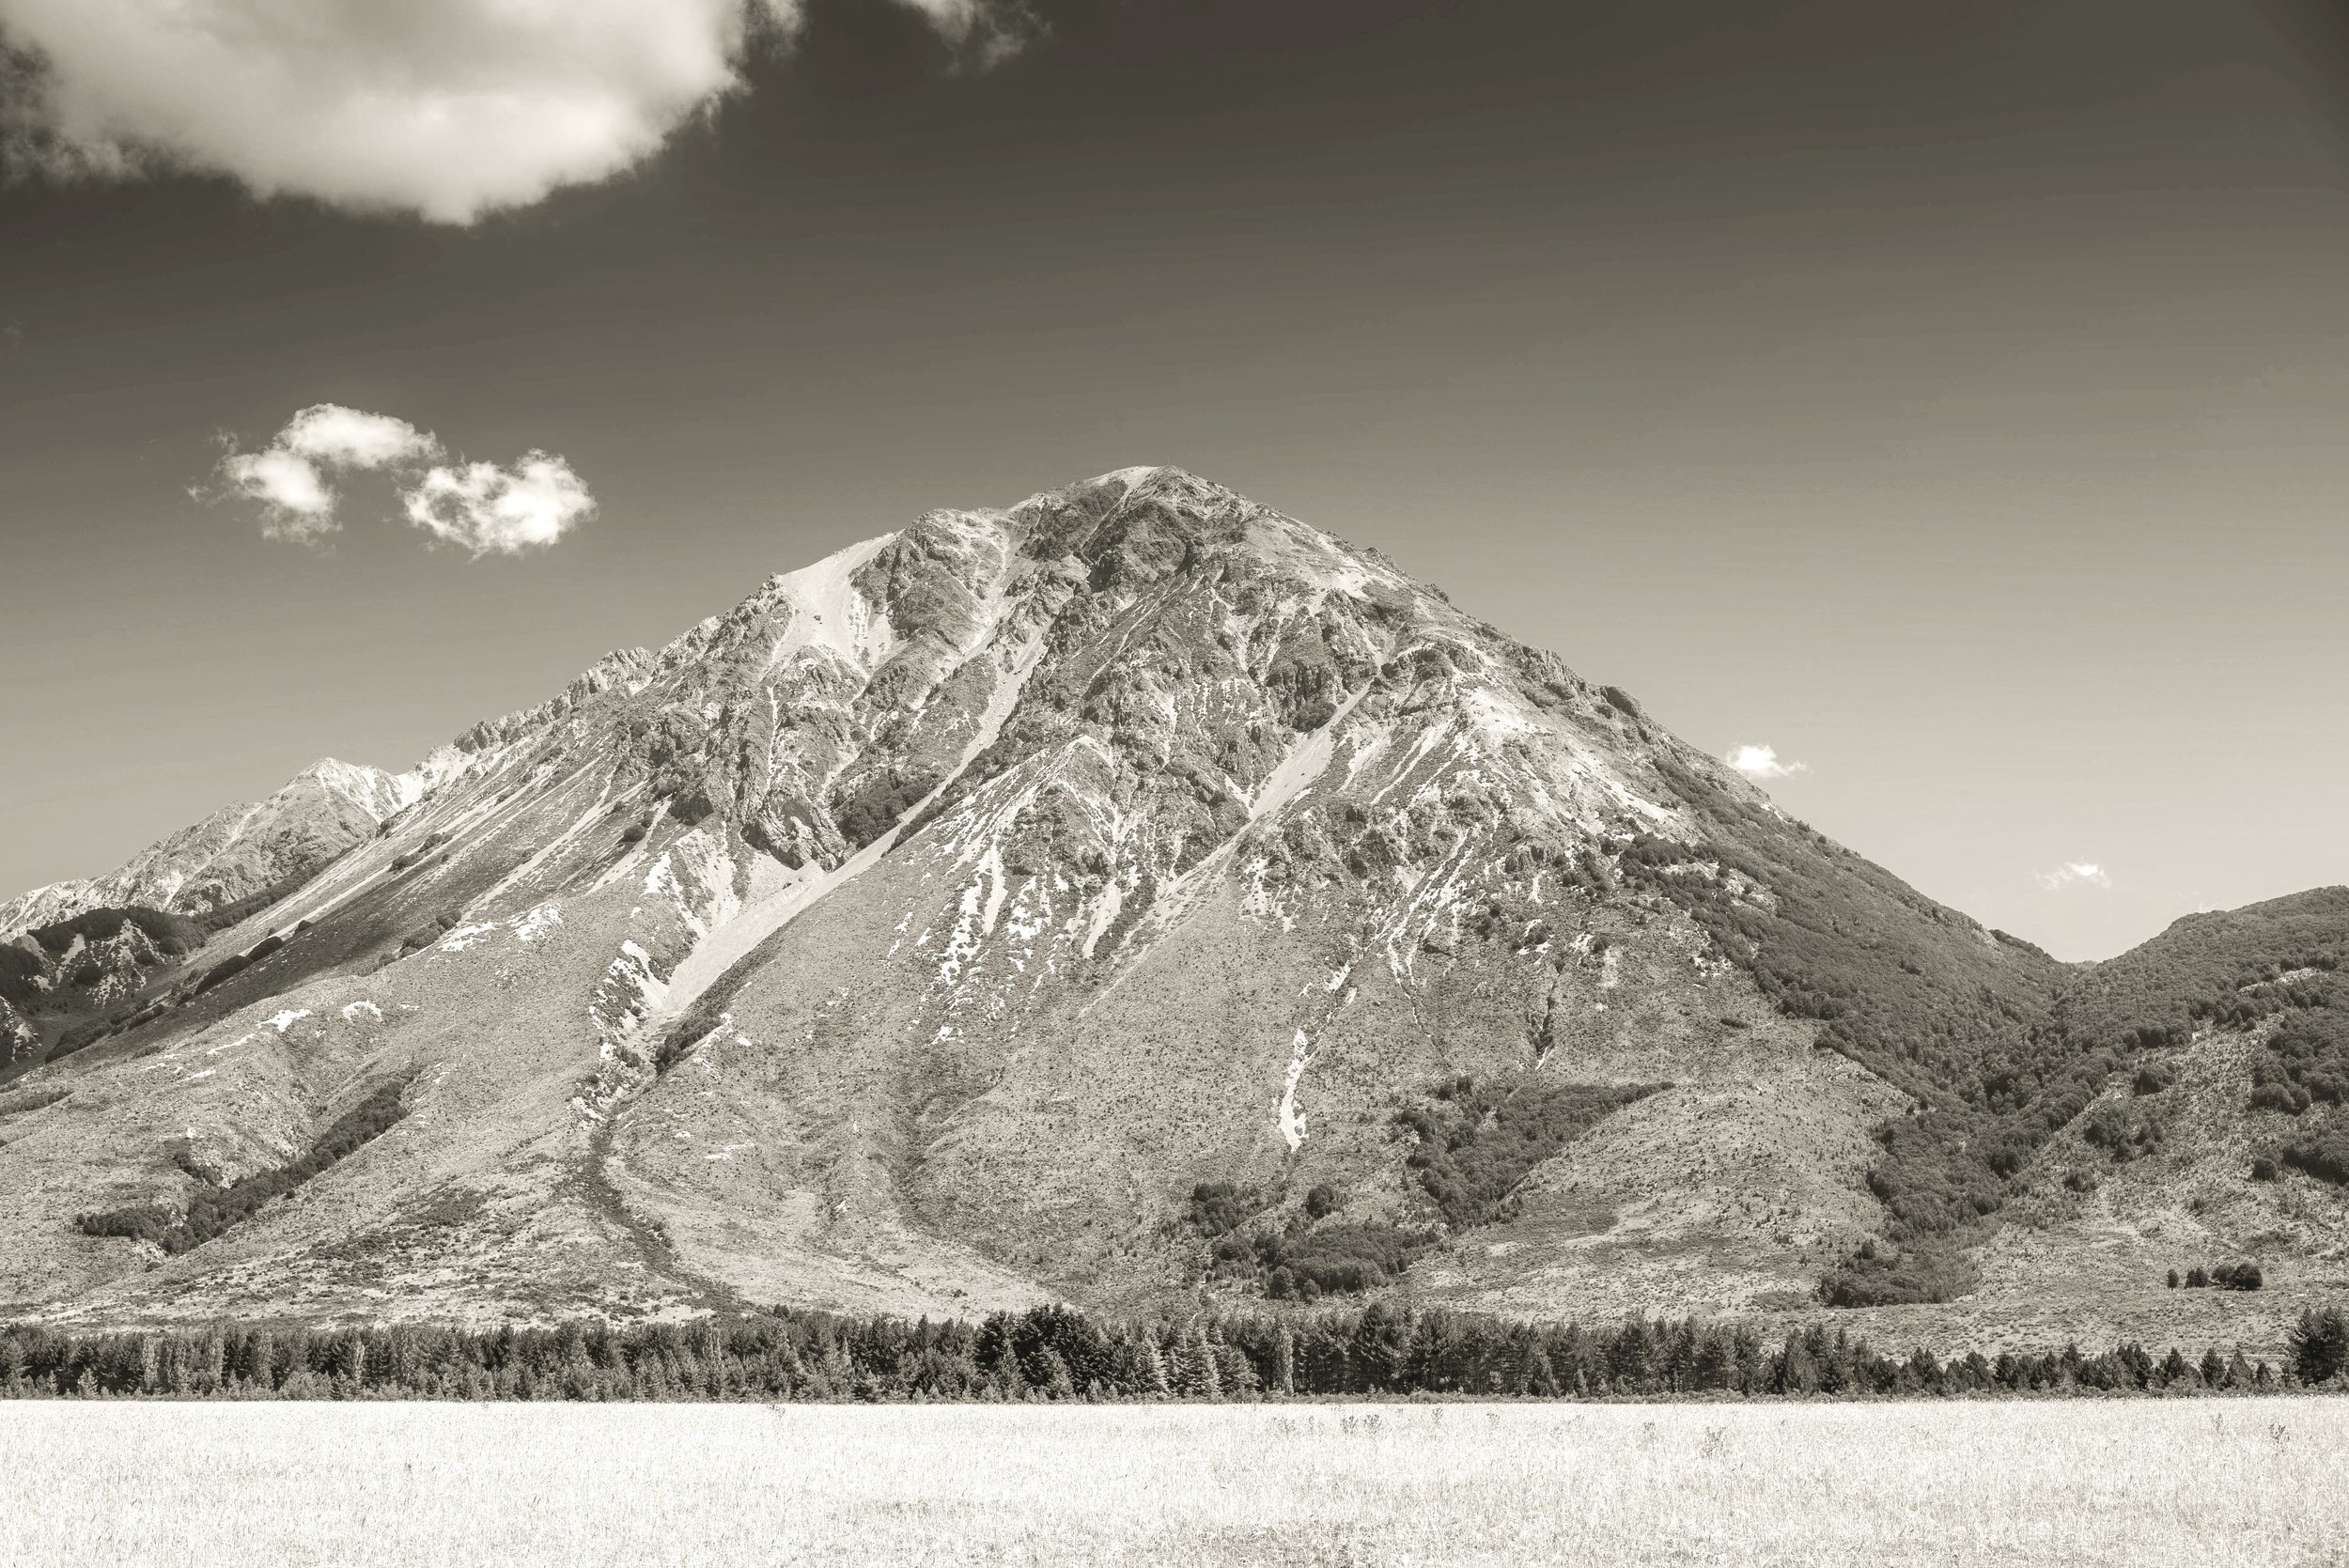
x=1129, y=897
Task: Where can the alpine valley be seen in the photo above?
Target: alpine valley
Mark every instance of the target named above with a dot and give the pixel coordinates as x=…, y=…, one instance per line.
x=1130, y=899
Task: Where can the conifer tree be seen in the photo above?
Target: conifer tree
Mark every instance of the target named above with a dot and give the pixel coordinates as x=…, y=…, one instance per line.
x=1056, y=1384
x=1235, y=1371
x=2320, y=1345
x=1148, y=1377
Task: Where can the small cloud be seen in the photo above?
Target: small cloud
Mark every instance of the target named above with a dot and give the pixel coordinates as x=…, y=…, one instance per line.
x=492, y=510
x=2072, y=874
x=486, y=508
x=1761, y=762
x=348, y=438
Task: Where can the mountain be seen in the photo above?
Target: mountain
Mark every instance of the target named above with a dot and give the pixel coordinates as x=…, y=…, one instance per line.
x=236, y=853
x=1130, y=895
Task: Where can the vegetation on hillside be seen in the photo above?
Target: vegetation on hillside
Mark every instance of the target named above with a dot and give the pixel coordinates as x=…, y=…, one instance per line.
x=1999, y=1046
x=1302, y=1254
x=1477, y=1139
x=1473, y=1141
x=212, y=1209
x=170, y=933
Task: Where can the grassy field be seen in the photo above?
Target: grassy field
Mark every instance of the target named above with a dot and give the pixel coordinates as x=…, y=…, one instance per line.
x=2207, y=1482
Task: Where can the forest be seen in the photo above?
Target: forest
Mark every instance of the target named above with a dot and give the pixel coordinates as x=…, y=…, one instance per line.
x=1058, y=1352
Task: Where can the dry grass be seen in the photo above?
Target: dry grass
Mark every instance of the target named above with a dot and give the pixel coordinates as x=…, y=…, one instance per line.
x=2210, y=1483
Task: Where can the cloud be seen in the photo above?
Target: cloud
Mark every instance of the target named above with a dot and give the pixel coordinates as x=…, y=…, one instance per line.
x=296, y=501
x=485, y=508
x=348, y=438
x=2072, y=874
x=1761, y=762
x=445, y=108
x=492, y=510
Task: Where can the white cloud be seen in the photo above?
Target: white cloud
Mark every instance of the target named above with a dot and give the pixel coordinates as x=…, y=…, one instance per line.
x=1761, y=762
x=486, y=508
x=348, y=438
x=445, y=108
x=492, y=510
x=296, y=501
x=2072, y=874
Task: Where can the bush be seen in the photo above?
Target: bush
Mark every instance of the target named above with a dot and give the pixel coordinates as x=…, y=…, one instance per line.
x=2237, y=1276
x=226, y=969
x=416, y=857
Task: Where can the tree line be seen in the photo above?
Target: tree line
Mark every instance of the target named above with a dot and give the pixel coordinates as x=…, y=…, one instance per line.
x=1058, y=1352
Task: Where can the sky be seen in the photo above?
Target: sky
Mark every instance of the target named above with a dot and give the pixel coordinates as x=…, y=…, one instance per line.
x=1935, y=403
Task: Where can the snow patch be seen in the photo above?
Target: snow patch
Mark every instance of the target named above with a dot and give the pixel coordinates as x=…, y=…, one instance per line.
x=536, y=921
x=1291, y=1119
x=467, y=936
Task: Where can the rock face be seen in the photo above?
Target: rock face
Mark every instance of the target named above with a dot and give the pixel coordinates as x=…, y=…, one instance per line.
x=923, y=932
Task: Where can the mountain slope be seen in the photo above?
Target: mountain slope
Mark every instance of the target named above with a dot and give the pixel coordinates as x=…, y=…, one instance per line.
x=1124, y=895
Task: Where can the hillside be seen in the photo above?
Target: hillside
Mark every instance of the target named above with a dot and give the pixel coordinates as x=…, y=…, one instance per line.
x=1123, y=896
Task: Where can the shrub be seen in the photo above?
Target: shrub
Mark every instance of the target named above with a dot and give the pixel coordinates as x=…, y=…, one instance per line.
x=416, y=857
x=2237, y=1276
x=2153, y=1077
x=226, y=969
